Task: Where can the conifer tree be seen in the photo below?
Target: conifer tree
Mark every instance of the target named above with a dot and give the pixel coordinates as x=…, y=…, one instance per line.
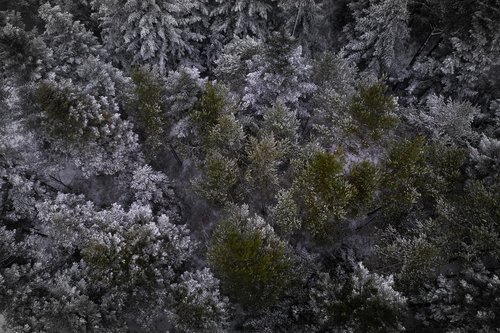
x=250, y=260
x=242, y=18
x=159, y=33
x=380, y=32
x=278, y=74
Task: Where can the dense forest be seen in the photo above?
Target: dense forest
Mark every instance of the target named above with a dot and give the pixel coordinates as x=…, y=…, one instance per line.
x=249, y=166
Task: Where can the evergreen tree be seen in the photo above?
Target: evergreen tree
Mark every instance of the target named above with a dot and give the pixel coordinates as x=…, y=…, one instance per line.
x=380, y=32
x=279, y=74
x=84, y=128
x=361, y=302
x=467, y=302
x=241, y=18
x=304, y=19
x=159, y=33
x=199, y=305
x=250, y=260
x=91, y=269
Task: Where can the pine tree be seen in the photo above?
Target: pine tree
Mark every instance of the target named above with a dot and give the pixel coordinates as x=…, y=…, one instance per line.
x=467, y=302
x=304, y=20
x=241, y=18
x=21, y=51
x=87, y=129
x=462, y=37
x=486, y=158
x=379, y=34
x=148, y=110
x=279, y=74
x=335, y=79
x=93, y=269
x=323, y=193
x=199, y=305
x=416, y=255
x=158, y=33
x=250, y=260
x=445, y=120
x=264, y=156
x=285, y=214
x=359, y=302
x=219, y=180
x=232, y=62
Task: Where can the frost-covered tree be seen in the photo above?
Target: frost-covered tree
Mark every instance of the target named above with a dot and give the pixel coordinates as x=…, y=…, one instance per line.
x=77, y=55
x=465, y=303
x=417, y=254
x=304, y=19
x=264, y=74
x=158, y=33
x=278, y=74
x=335, y=79
x=21, y=51
x=182, y=89
x=282, y=123
x=293, y=137
x=358, y=302
x=379, y=35
x=241, y=18
x=232, y=62
x=285, y=214
x=91, y=269
x=150, y=187
x=87, y=130
x=219, y=180
x=74, y=109
x=199, y=305
x=81, y=10
x=486, y=158
x=445, y=120
x=460, y=55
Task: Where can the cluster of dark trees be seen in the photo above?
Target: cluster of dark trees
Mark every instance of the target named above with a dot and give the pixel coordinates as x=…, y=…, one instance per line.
x=249, y=166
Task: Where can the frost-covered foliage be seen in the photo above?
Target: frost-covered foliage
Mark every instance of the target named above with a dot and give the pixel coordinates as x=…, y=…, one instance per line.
x=86, y=129
x=220, y=177
x=362, y=302
x=465, y=303
x=379, y=34
x=158, y=33
x=266, y=73
x=486, y=158
x=238, y=18
x=416, y=255
x=22, y=51
x=95, y=266
x=304, y=19
x=278, y=74
x=222, y=165
x=200, y=307
x=446, y=120
x=182, y=89
x=264, y=157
